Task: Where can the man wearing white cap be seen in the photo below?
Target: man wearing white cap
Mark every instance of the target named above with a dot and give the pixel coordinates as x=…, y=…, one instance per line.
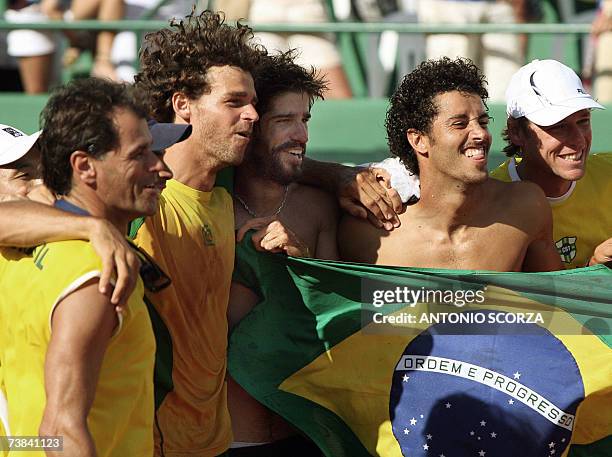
x=19, y=162
x=549, y=138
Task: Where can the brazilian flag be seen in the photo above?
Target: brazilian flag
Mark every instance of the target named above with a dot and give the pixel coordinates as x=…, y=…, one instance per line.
x=522, y=368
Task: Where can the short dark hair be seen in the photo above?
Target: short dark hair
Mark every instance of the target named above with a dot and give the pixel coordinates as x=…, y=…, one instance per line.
x=177, y=59
x=510, y=148
x=412, y=104
x=278, y=74
x=79, y=117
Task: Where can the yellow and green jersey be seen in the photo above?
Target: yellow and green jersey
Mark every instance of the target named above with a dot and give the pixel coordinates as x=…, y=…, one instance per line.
x=581, y=218
x=33, y=285
x=192, y=239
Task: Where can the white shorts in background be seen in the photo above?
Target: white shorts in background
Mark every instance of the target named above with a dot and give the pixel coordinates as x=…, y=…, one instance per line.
x=497, y=54
x=314, y=49
x=29, y=43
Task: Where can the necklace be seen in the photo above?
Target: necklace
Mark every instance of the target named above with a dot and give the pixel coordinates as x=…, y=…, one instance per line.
x=252, y=213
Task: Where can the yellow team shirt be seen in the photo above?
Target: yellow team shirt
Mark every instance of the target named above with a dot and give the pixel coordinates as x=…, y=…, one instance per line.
x=121, y=417
x=192, y=238
x=582, y=218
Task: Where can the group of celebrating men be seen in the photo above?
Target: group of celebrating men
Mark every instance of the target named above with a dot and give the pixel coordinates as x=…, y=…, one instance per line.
x=120, y=347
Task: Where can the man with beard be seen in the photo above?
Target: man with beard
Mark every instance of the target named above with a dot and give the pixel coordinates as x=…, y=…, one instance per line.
x=291, y=218
x=437, y=126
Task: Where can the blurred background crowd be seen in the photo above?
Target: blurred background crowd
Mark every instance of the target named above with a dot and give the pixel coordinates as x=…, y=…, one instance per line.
x=32, y=61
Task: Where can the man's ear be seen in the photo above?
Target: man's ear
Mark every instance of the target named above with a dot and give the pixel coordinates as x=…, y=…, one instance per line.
x=83, y=167
x=181, y=106
x=418, y=140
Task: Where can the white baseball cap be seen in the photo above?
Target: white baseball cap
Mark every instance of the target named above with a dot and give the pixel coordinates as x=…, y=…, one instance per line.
x=546, y=92
x=14, y=144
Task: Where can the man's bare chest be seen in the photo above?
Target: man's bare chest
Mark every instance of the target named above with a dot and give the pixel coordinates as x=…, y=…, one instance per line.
x=497, y=247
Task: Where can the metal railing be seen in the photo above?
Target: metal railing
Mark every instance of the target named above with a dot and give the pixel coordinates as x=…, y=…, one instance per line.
x=327, y=27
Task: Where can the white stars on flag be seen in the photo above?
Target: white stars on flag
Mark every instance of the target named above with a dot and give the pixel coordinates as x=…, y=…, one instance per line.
x=493, y=435
x=551, y=444
x=426, y=447
x=481, y=453
x=448, y=405
x=413, y=421
x=517, y=375
x=406, y=431
x=483, y=423
x=406, y=378
x=472, y=433
x=511, y=401
x=429, y=437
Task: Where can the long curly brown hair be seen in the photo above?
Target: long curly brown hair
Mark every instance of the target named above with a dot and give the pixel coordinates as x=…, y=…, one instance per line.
x=177, y=59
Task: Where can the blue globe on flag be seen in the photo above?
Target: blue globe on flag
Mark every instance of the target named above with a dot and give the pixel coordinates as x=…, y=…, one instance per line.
x=487, y=391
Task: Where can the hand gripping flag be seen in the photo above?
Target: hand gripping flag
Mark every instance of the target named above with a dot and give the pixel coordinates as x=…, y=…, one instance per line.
x=347, y=365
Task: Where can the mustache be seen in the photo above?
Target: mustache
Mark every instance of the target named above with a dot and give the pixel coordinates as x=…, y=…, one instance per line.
x=289, y=145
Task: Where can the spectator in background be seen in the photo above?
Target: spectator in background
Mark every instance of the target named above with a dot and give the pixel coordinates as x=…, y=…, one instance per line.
x=315, y=50
x=35, y=49
x=102, y=10
x=499, y=55
x=125, y=46
x=602, y=30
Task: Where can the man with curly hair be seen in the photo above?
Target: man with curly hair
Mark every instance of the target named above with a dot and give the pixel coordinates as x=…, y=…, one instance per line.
x=288, y=217
x=199, y=72
x=437, y=125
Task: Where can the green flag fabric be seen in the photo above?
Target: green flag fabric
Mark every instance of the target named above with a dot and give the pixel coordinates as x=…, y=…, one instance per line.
x=489, y=364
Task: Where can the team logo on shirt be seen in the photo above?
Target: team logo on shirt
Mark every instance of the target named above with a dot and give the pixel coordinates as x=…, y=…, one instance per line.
x=207, y=234
x=40, y=255
x=567, y=248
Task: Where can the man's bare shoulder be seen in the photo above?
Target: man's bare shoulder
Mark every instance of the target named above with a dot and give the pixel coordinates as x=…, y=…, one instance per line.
x=522, y=193
x=358, y=239
x=523, y=202
x=314, y=202
x=313, y=195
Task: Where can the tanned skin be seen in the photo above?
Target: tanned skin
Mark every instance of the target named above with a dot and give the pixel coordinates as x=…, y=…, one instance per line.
x=306, y=226
x=464, y=220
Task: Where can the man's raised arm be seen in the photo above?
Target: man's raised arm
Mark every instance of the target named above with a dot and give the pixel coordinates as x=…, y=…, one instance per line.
x=26, y=223
x=360, y=190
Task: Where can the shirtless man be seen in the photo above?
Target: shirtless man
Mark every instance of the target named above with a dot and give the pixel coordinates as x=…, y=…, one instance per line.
x=437, y=125
x=289, y=217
